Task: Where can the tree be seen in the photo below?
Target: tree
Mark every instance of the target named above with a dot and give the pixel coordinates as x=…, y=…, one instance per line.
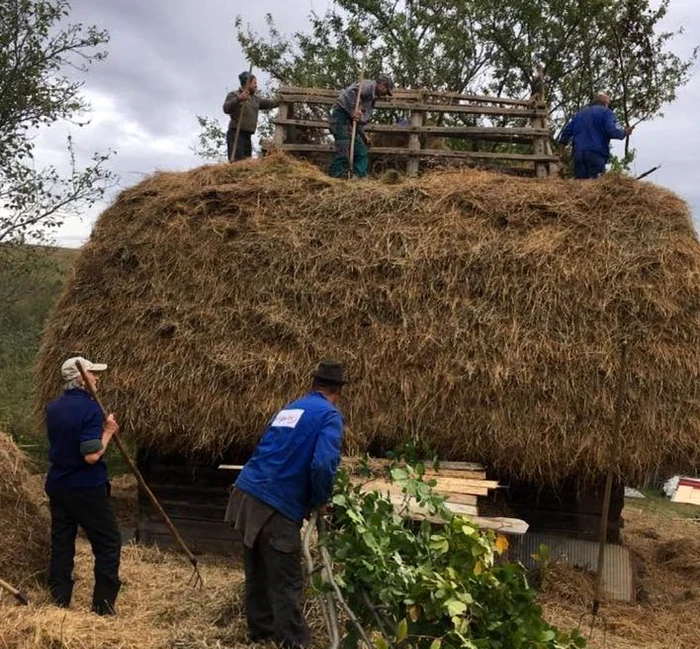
x=587, y=46
x=488, y=46
x=37, y=53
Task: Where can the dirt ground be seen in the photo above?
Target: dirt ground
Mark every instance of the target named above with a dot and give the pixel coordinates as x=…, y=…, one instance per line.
x=159, y=610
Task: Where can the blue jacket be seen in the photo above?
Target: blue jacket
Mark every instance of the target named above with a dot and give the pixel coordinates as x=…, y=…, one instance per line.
x=591, y=129
x=293, y=466
x=74, y=426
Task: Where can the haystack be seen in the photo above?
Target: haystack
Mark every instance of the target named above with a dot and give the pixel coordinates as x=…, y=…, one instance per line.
x=480, y=313
x=24, y=524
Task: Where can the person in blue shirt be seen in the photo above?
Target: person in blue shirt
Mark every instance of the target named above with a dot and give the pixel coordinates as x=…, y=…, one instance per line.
x=78, y=488
x=290, y=474
x=590, y=132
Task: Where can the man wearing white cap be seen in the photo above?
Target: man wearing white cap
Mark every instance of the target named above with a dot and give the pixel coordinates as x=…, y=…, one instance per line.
x=78, y=487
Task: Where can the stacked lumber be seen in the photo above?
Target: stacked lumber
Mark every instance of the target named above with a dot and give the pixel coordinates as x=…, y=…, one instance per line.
x=462, y=484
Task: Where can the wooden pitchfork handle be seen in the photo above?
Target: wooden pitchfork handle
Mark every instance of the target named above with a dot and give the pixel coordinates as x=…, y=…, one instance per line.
x=13, y=591
x=353, y=131
x=197, y=577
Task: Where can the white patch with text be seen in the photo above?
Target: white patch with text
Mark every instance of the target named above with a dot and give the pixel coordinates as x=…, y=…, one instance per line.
x=288, y=418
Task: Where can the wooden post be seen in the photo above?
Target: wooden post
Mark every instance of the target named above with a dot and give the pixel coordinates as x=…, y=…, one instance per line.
x=280, y=136
x=416, y=120
x=542, y=145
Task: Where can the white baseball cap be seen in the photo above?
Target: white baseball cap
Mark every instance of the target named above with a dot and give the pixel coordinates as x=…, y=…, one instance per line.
x=70, y=371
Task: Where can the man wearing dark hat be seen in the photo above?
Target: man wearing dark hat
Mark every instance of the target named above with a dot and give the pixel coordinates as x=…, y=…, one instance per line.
x=244, y=105
x=342, y=116
x=289, y=474
x=78, y=488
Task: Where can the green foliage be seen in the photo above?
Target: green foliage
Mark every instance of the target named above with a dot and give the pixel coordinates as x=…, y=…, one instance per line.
x=585, y=46
x=425, y=586
x=34, y=292
x=37, y=47
x=211, y=142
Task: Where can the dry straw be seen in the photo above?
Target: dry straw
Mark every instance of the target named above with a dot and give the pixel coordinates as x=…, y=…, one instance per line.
x=478, y=312
x=24, y=527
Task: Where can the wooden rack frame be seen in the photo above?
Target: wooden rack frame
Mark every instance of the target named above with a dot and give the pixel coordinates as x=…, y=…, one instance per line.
x=535, y=136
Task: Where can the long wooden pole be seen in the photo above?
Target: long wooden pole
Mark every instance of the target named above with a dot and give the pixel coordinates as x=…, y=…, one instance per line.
x=240, y=115
x=142, y=483
x=13, y=591
x=614, y=454
x=353, y=132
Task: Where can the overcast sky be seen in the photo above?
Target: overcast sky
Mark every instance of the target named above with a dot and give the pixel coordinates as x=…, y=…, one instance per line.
x=170, y=60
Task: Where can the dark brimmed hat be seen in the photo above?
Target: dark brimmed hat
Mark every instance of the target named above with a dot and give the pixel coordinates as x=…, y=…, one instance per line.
x=330, y=372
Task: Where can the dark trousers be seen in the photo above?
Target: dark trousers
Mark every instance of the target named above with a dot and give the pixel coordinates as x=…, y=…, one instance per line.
x=91, y=509
x=588, y=164
x=244, y=146
x=274, y=584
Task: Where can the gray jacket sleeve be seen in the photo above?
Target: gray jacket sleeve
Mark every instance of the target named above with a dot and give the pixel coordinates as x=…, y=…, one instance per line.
x=269, y=103
x=230, y=102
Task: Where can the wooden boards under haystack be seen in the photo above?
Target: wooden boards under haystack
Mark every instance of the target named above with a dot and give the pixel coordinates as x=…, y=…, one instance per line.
x=462, y=483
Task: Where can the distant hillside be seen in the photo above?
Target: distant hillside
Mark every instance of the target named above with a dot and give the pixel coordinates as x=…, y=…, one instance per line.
x=31, y=282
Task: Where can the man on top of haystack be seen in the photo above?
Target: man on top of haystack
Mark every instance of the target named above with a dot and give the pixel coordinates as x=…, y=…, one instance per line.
x=244, y=105
x=342, y=116
x=590, y=132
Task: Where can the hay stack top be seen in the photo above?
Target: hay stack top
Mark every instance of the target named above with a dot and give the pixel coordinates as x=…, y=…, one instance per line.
x=480, y=313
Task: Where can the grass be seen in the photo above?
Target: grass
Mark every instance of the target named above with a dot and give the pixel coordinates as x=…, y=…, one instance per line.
x=32, y=280
x=659, y=505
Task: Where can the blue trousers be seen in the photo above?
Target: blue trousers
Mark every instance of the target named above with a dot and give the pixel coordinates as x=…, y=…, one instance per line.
x=588, y=164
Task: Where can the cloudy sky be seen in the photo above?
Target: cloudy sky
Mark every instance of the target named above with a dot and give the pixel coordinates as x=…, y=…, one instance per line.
x=170, y=60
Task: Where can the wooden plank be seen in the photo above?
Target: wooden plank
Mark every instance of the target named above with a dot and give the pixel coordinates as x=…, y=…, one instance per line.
x=190, y=529
x=226, y=547
x=410, y=94
x=386, y=487
x=428, y=153
x=473, y=109
x=502, y=524
x=525, y=133
x=457, y=484
x=188, y=511
x=462, y=499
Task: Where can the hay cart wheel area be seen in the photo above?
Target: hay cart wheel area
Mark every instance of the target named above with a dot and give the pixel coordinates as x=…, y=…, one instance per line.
x=477, y=314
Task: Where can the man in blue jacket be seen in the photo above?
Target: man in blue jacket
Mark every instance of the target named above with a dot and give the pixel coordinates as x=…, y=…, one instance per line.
x=290, y=473
x=590, y=132
x=78, y=488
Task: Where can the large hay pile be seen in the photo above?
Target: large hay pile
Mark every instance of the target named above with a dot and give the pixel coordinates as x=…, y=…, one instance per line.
x=24, y=524
x=478, y=312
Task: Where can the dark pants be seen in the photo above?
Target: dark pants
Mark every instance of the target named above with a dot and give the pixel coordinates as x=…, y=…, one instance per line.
x=274, y=584
x=244, y=146
x=341, y=128
x=588, y=164
x=91, y=509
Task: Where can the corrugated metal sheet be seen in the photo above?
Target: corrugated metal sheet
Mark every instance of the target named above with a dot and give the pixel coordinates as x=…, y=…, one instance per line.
x=618, y=574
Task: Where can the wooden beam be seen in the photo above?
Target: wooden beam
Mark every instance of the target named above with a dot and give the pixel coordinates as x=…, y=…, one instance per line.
x=473, y=109
x=487, y=133
x=413, y=94
x=429, y=153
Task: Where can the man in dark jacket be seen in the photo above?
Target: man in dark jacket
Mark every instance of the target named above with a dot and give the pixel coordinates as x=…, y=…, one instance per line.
x=290, y=473
x=342, y=116
x=244, y=104
x=590, y=132
x=78, y=488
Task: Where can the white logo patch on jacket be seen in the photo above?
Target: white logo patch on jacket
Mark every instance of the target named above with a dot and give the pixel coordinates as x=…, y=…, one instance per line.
x=287, y=418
